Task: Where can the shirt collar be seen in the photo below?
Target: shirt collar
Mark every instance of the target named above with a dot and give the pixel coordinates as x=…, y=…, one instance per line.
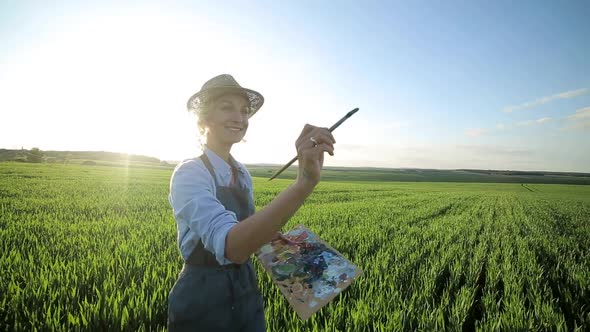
x=220, y=165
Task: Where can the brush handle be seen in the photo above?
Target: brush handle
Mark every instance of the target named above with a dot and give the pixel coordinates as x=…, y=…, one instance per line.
x=348, y=115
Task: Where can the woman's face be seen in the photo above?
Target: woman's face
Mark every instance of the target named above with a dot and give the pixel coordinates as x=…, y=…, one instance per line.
x=227, y=122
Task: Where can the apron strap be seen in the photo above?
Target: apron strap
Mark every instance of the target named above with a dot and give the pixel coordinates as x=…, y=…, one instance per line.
x=209, y=166
x=234, y=169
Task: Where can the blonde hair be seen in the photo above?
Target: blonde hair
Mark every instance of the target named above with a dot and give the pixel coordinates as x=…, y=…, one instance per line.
x=202, y=116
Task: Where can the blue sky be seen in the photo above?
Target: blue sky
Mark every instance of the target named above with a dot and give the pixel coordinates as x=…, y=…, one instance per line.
x=499, y=85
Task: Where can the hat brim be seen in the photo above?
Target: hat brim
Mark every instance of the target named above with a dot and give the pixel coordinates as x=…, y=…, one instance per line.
x=196, y=102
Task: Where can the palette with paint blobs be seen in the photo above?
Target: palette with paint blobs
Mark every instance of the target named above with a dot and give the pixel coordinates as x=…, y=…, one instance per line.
x=308, y=271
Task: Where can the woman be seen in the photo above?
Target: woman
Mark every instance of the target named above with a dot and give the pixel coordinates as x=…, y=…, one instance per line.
x=218, y=229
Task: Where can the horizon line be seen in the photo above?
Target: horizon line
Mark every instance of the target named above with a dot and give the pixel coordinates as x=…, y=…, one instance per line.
x=171, y=161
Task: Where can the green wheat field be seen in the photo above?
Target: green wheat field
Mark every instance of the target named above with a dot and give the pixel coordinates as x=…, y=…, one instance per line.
x=94, y=248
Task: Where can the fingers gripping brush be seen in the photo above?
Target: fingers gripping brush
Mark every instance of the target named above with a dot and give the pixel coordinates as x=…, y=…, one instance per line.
x=348, y=115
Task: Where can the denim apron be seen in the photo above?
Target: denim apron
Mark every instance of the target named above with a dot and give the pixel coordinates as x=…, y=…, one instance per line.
x=212, y=297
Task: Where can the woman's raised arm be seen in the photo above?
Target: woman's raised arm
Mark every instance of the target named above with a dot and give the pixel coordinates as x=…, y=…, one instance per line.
x=246, y=237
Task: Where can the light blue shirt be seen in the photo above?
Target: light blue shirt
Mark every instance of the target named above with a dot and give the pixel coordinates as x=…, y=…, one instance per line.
x=198, y=212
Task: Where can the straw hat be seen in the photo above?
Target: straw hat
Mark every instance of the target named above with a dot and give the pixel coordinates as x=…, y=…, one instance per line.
x=218, y=86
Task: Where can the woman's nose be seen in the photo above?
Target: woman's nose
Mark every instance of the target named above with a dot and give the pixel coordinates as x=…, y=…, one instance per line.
x=239, y=120
x=240, y=117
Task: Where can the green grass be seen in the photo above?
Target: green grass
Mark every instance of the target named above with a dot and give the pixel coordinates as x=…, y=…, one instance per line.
x=94, y=248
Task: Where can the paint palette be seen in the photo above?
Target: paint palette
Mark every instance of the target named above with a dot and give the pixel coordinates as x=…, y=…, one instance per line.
x=308, y=271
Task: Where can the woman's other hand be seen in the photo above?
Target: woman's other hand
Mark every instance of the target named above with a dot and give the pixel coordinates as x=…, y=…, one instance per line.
x=311, y=145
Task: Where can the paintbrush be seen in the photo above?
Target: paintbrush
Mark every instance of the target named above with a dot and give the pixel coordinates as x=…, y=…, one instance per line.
x=348, y=115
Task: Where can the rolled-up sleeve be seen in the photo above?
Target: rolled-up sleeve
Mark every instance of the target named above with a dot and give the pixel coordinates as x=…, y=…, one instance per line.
x=193, y=200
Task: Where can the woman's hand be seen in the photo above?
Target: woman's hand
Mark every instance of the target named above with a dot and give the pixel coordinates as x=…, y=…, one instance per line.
x=247, y=236
x=310, y=154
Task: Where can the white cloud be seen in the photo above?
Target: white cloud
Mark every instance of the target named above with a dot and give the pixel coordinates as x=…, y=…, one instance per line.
x=580, y=120
x=582, y=113
x=534, y=122
x=547, y=99
x=446, y=156
x=515, y=155
x=495, y=150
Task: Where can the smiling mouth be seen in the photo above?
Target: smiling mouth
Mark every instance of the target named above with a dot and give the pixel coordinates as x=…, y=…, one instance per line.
x=235, y=129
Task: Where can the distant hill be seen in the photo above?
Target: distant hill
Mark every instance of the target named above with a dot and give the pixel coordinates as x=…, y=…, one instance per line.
x=103, y=158
x=81, y=157
x=428, y=175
